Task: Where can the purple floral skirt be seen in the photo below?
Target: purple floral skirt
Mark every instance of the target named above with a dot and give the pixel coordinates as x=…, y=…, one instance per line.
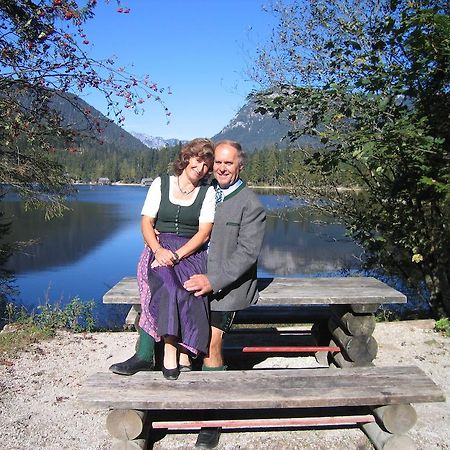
x=166, y=307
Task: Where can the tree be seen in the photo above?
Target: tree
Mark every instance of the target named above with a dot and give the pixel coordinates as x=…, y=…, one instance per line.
x=44, y=57
x=272, y=166
x=254, y=171
x=371, y=79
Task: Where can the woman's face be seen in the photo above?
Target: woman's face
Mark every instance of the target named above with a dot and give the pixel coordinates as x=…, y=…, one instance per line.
x=196, y=169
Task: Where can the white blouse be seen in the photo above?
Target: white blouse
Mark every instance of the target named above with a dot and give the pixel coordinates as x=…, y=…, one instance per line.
x=153, y=200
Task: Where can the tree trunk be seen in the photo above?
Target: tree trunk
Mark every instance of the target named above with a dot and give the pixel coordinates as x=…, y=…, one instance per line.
x=439, y=287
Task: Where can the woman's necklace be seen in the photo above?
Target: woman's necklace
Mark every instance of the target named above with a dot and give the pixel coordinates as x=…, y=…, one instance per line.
x=181, y=190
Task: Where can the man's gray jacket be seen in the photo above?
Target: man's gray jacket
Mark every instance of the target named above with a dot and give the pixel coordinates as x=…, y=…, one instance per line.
x=235, y=244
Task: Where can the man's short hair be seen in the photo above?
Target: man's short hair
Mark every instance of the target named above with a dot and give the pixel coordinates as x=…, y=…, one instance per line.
x=241, y=154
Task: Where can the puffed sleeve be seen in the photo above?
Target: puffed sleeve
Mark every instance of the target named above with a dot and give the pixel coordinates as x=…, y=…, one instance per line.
x=153, y=199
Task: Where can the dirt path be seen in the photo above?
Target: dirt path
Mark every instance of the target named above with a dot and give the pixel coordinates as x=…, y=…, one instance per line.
x=39, y=410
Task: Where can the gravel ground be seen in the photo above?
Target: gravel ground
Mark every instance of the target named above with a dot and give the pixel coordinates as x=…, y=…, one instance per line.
x=39, y=408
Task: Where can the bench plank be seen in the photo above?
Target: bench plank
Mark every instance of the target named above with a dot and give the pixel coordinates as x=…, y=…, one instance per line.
x=285, y=388
x=286, y=291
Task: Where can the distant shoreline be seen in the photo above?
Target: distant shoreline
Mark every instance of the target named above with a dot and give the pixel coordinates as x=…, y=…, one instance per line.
x=251, y=186
x=144, y=185
x=266, y=187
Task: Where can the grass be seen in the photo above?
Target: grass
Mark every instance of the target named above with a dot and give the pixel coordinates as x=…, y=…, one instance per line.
x=386, y=315
x=25, y=328
x=19, y=337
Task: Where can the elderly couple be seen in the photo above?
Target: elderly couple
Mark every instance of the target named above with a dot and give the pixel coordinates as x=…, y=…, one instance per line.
x=194, y=276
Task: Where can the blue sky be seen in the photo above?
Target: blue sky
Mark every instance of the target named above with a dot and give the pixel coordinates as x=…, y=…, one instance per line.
x=200, y=48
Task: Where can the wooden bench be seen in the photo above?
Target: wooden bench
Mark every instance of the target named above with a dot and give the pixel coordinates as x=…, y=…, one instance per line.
x=378, y=399
x=341, y=311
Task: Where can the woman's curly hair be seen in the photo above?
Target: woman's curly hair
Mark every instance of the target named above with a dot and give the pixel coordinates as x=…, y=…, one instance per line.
x=200, y=148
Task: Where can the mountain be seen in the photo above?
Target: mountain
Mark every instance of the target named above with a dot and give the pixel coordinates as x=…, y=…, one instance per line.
x=80, y=115
x=255, y=131
x=156, y=141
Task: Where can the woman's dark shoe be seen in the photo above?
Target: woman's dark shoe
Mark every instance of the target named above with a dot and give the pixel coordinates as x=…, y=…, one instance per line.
x=132, y=366
x=171, y=374
x=184, y=368
x=208, y=438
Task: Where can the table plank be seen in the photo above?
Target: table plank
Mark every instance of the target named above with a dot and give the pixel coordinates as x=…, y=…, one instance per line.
x=293, y=291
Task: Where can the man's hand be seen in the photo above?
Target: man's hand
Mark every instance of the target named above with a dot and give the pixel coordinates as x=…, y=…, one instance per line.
x=198, y=284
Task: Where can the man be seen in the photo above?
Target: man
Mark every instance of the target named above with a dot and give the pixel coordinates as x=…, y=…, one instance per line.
x=235, y=244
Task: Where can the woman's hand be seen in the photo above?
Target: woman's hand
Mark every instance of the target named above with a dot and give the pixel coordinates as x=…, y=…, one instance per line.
x=163, y=258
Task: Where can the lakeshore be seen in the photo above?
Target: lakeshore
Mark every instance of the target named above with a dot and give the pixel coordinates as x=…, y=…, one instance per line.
x=39, y=408
x=119, y=183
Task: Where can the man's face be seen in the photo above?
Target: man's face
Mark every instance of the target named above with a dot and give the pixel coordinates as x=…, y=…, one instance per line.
x=226, y=165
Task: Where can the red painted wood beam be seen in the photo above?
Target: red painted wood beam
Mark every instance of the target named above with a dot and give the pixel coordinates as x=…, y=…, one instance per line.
x=291, y=349
x=266, y=423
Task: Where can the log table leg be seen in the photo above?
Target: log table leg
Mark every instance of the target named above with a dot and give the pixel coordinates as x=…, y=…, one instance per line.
x=321, y=334
x=383, y=440
x=354, y=324
x=396, y=419
x=352, y=332
x=132, y=319
x=126, y=426
x=359, y=349
x=339, y=359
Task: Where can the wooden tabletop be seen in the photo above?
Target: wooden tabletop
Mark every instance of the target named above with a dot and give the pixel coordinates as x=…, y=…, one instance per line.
x=293, y=291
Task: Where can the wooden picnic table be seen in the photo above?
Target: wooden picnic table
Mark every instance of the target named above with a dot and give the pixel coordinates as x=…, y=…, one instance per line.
x=340, y=310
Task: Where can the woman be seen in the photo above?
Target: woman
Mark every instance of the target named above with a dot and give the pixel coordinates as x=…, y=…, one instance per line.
x=181, y=209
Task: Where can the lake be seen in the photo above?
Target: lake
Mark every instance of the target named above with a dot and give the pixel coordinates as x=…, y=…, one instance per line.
x=98, y=242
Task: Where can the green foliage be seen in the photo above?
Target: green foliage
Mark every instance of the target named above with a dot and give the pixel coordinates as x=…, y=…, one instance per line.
x=76, y=316
x=6, y=276
x=372, y=81
x=443, y=325
x=271, y=166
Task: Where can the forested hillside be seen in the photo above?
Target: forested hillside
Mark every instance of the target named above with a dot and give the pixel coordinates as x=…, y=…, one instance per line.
x=90, y=161
x=268, y=166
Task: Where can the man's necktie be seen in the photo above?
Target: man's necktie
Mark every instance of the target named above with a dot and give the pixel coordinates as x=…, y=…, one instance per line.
x=219, y=195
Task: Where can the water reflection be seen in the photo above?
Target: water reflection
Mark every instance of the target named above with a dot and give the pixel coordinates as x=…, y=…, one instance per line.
x=300, y=242
x=96, y=214
x=63, y=240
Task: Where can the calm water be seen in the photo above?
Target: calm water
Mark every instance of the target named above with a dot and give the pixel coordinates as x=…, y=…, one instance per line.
x=99, y=241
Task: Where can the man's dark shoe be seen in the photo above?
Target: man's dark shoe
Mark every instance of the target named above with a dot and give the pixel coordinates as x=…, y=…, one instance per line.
x=131, y=366
x=208, y=438
x=184, y=368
